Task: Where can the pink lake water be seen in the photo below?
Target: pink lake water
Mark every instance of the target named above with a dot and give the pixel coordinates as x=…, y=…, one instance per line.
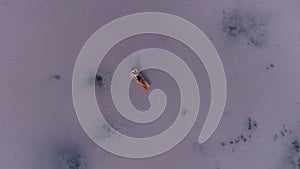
x=258, y=43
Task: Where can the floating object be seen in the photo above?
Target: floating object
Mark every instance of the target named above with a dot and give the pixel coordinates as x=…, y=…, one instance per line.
x=139, y=79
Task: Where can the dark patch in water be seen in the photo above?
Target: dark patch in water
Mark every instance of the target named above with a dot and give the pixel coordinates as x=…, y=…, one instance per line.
x=98, y=80
x=70, y=158
x=250, y=26
x=243, y=137
x=103, y=80
x=57, y=76
x=295, y=154
x=270, y=67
